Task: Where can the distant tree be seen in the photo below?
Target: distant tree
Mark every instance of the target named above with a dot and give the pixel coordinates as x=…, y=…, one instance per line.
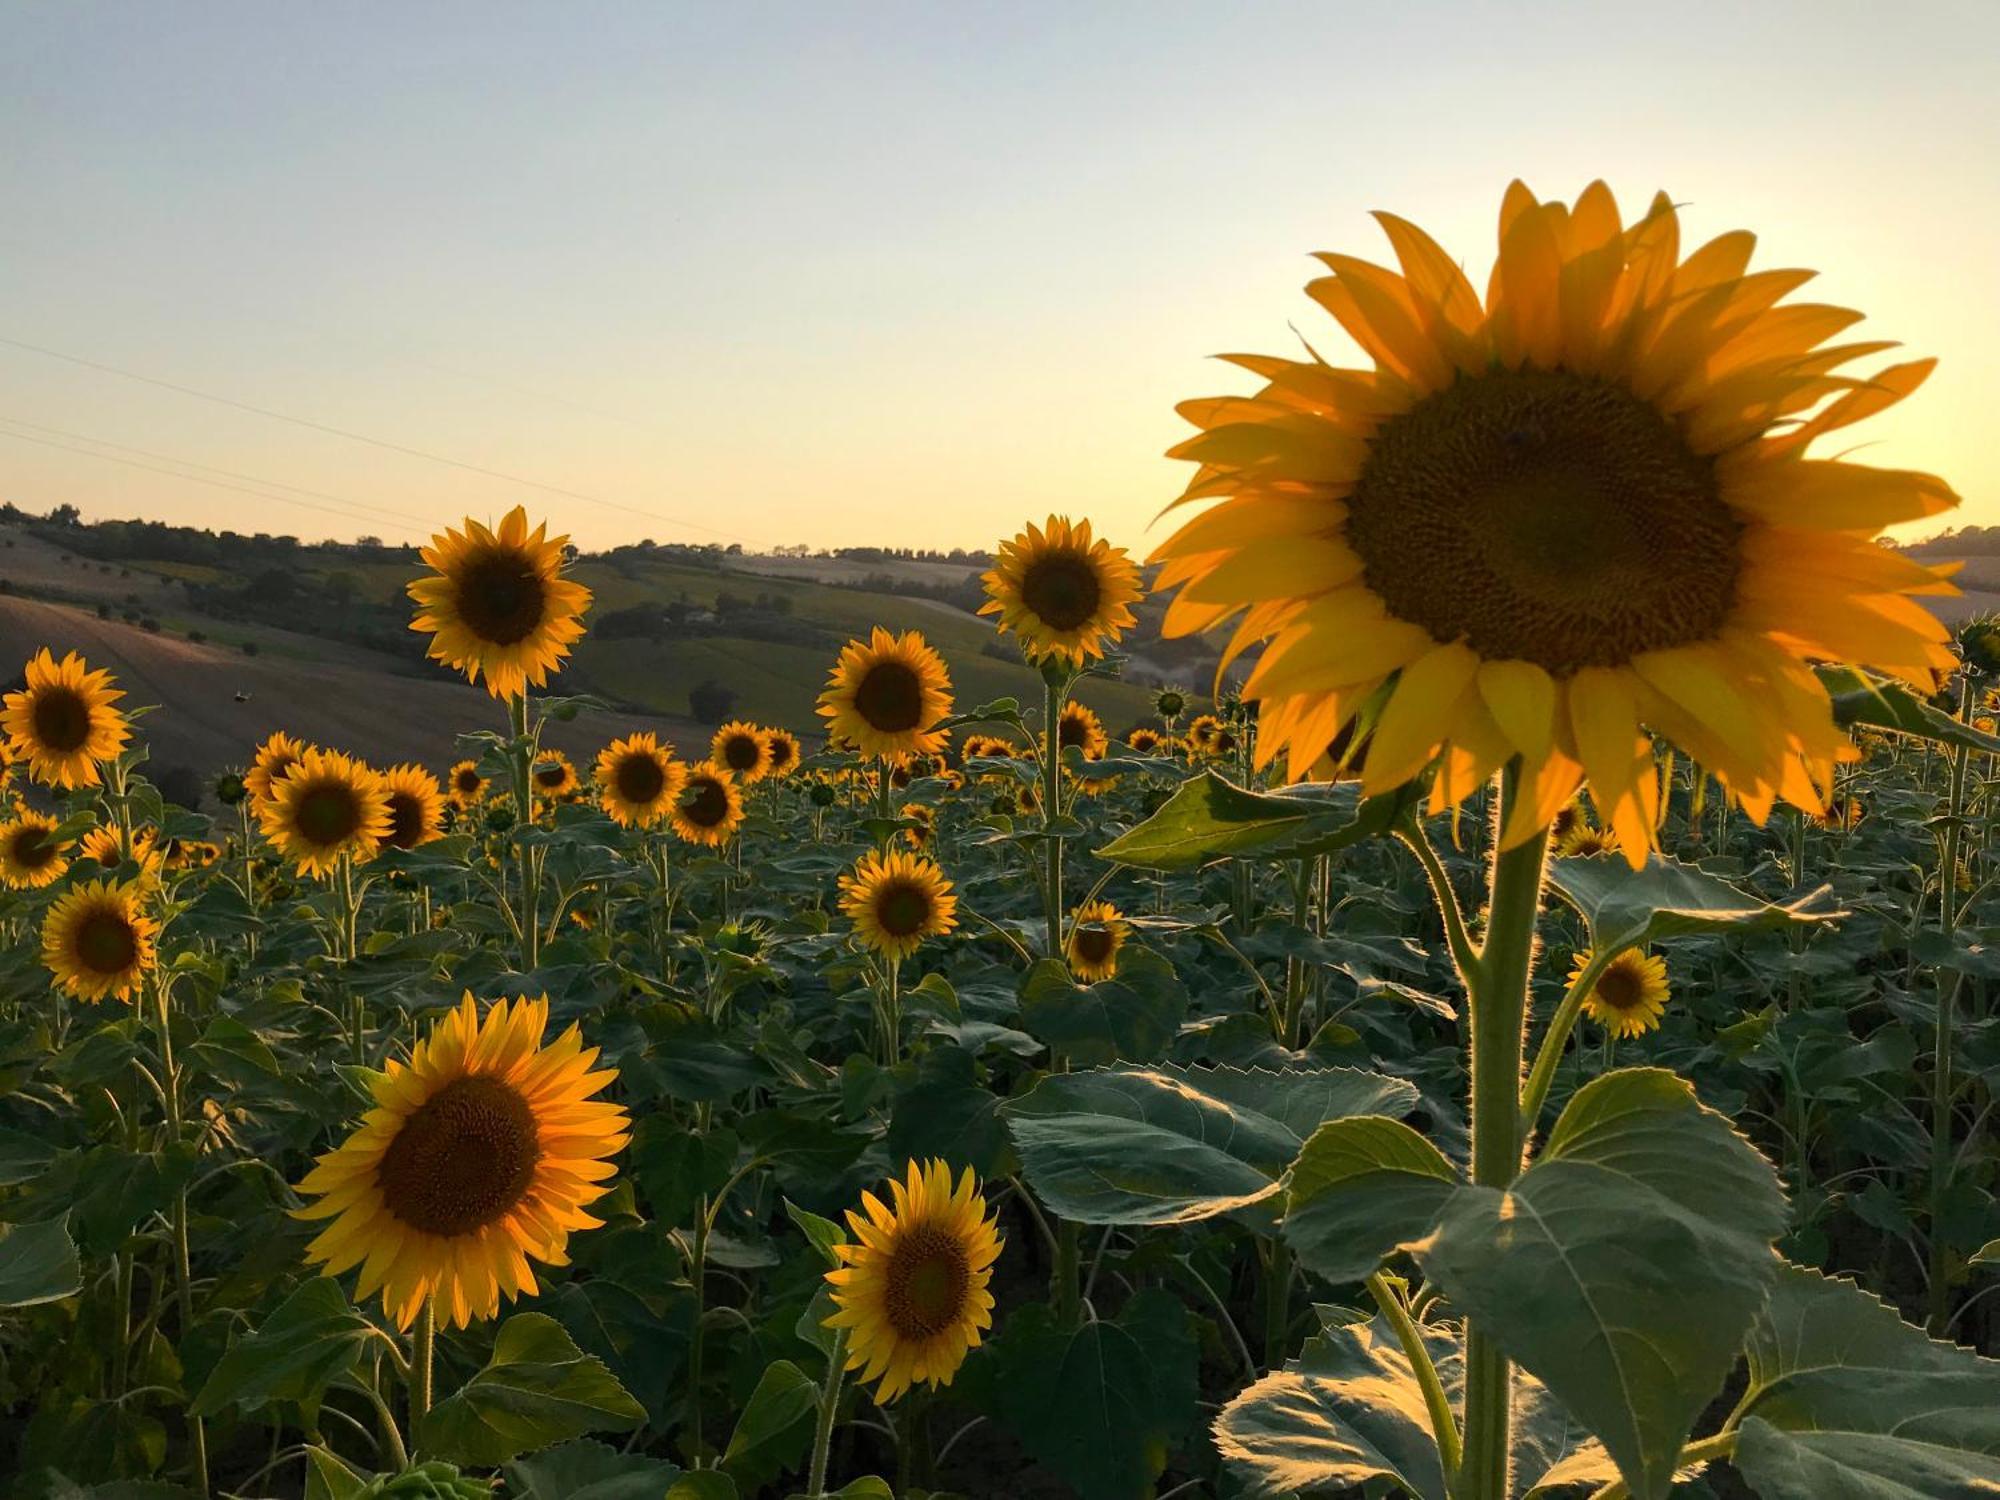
x=342, y=587
x=709, y=701
x=65, y=515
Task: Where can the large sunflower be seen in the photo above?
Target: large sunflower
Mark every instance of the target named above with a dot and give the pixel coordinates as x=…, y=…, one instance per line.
x=897, y=900
x=64, y=722
x=416, y=807
x=1096, y=933
x=274, y=757
x=1064, y=594
x=497, y=605
x=887, y=694
x=911, y=1289
x=30, y=856
x=708, y=809
x=466, y=785
x=740, y=749
x=326, y=807
x=98, y=941
x=1538, y=527
x=1630, y=995
x=637, y=780
x=478, y=1154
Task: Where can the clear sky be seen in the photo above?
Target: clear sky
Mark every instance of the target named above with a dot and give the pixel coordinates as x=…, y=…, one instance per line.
x=874, y=273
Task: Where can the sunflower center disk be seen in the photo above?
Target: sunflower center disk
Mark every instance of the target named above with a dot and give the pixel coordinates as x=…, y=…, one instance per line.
x=705, y=804
x=406, y=820
x=327, y=815
x=902, y=910
x=501, y=598
x=741, y=752
x=1062, y=589
x=928, y=1279
x=106, y=944
x=890, y=697
x=1093, y=944
x=1620, y=989
x=32, y=849
x=462, y=1160
x=61, y=720
x=1548, y=517
x=639, y=779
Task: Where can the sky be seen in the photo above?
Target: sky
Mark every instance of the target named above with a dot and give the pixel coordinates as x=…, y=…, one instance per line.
x=873, y=274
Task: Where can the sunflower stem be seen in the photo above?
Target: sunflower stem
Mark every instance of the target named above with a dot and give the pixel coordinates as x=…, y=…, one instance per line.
x=829, y=1406
x=524, y=817
x=1548, y=1057
x=183, y=1272
x=1942, y=1092
x=1389, y=1297
x=423, y=1342
x=1055, y=688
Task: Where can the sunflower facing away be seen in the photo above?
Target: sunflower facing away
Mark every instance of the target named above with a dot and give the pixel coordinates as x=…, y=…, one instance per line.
x=98, y=941
x=416, y=807
x=911, y=1289
x=709, y=808
x=480, y=1153
x=1066, y=596
x=1539, y=526
x=1096, y=933
x=465, y=785
x=739, y=748
x=886, y=695
x=781, y=752
x=1630, y=995
x=637, y=781
x=554, y=776
x=327, y=807
x=103, y=848
x=897, y=900
x=274, y=757
x=30, y=857
x=64, y=722
x=496, y=604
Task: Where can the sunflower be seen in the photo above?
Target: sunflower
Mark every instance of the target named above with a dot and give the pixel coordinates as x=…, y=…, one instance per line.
x=887, y=694
x=327, y=807
x=1080, y=726
x=554, y=776
x=479, y=1153
x=496, y=604
x=1208, y=735
x=897, y=900
x=911, y=1289
x=740, y=749
x=103, y=848
x=416, y=807
x=1536, y=528
x=30, y=856
x=63, y=723
x=466, y=784
x=781, y=752
x=709, y=808
x=988, y=747
x=1147, y=741
x=925, y=817
x=1096, y=933
x=1844, y=813
x=1630, y=995
x=1170, y=703
x=1582, y=839
x=1065, y=595
x=98, y=941
x=274, y=757
x=638, y=781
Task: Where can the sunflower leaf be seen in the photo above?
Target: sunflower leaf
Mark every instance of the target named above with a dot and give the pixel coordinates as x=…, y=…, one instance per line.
x=1131, y=1017
x=537, y=1389
x=1879, y=703
x=1666, y=899
x=1360, y=1189
x=1209, y=818
x=586, y=1470
x=38, y=1263
x=311, y=1338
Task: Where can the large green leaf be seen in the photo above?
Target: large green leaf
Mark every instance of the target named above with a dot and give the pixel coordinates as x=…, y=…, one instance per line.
x=537, y=1389
x=1848, y=1402
x=38, y=1263
x=1881, y=704
x=1209, y=818
x=1624, y=1268
x=1668, y=899
x=294, y=1354
x=1131, y=1017
x=1168, y=1145
x=1361, y=1189
x=586, y=1470
x=776, y=1424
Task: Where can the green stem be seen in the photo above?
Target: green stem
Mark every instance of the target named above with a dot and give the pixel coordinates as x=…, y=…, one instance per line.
x=1701, y=1451
x=1463, y=954
x=1548, y=1057
x=829, y=1405
x=423, y=1343
x=183, y=1265
x=1052, y=876
x=1067, y=1291
x=1942, y=1092
x=1444, y=1429
x=1277, y=1264
x=524, y=815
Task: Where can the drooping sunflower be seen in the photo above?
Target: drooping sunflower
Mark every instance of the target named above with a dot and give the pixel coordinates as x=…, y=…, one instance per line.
x=1096, y=933
x=466, y=784
x=1065, y=595
x=497, y=605
x=64, y=722
x=554, y=776
x=274, y=757
x=739, y=748
x=911, y=1289
x=416, y=807
x=781, y=752
x=709, y=808
x=103, y=848
x=887, y=694
x=1844, y=813
x=327, y=807
x=638, y=781
x=1538, y=527
x=896, y=900
x=98, y=941
x=30, y=854
x=481, y=1153
x=1630, y=995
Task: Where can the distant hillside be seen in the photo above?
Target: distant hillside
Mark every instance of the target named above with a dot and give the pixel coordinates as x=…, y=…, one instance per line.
x=1978, y=549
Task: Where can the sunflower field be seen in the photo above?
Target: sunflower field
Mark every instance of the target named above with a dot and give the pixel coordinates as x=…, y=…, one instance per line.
x=1533, y=1033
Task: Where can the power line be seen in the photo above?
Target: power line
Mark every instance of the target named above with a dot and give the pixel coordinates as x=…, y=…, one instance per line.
x=362, y=437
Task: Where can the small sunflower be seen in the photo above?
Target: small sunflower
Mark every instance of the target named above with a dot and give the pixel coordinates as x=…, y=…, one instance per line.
x=274, y=757
x=98, y=941
x=30, y=856
x=1844, y=813
x=416, y=807
x=897, y=900
x=480, y=1153
x=887, y=694
x=781, y=752
x=709, y=808
x=496, y=604
x=740, y=749
x=104, y=850
x=1096, y=933
x=1147, y=741
x=63, y=723
x=1630, y=995
x=327, y=807
x=925, y=817
x=989, y=747
x=638, y=781
x=1210, y=736
x=467, y=785
x=1080, y=727
x=911, y=1289
x=554, y=776
x=1583, y=840
x=1066, y=596
x=1170, y=703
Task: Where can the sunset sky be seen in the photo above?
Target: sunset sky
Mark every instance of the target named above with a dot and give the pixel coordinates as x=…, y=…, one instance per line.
x=873, y=273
